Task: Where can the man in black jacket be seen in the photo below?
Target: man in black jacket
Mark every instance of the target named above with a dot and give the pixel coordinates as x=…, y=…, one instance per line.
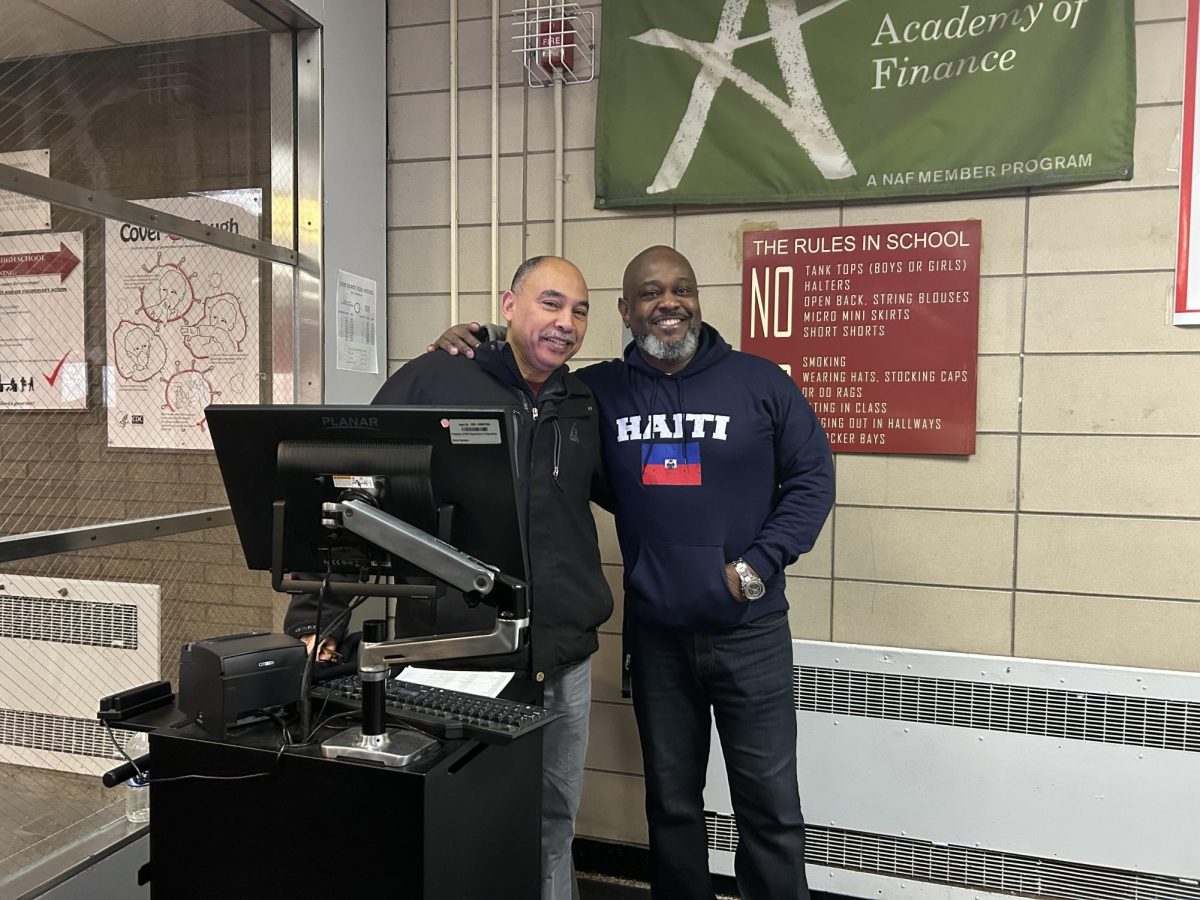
x=558, y=471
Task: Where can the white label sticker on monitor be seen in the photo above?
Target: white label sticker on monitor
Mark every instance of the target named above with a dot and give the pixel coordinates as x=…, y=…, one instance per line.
x=474, y=431
x=348, y=482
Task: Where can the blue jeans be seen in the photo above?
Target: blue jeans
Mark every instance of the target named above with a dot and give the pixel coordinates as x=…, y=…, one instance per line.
x=564, y=746
x=744, y=677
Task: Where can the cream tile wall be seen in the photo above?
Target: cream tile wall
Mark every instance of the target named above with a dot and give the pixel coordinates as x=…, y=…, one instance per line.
x=1073, y=531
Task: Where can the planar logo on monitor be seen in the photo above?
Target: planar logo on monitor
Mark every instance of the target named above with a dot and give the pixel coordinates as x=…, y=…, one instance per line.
x=349, y=422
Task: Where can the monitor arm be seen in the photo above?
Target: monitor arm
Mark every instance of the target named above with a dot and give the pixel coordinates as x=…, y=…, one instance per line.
x=450, y=565
x=372, y=741
x=412, y=544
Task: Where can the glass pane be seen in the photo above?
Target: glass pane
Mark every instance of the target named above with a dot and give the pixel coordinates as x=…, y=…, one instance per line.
x=113, y=339
x=144, y=100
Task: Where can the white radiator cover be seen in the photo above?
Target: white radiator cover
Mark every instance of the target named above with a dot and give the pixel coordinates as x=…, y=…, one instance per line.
x=64, y=644
x=929, y=774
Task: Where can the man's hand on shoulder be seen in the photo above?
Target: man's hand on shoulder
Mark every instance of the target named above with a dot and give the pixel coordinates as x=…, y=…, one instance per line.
x=461, y=338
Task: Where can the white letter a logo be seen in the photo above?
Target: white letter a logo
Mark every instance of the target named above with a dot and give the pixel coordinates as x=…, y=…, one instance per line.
x=803, y=115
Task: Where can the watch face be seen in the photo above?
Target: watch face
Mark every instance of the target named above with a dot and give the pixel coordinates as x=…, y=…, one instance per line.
x=753, y=588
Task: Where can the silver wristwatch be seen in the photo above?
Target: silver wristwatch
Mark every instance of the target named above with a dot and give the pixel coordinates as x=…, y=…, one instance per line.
x=752, y=585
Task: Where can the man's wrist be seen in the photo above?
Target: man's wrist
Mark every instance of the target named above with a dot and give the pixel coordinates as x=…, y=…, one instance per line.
x=752, y=587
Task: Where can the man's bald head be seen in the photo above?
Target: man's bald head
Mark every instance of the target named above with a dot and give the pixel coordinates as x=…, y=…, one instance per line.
x=635, y=269
x=527, y=268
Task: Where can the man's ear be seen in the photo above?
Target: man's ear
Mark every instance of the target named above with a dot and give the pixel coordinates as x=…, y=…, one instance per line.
x=623, y=309
x=507, y=301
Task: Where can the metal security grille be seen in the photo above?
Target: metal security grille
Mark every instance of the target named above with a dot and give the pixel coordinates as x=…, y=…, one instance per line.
x=967, y=867
x=1018, y=709
x=148, y=245
x=69, y=621
x=62, y=734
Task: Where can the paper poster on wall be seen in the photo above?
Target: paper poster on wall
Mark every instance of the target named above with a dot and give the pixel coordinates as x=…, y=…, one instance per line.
x=357, y=350
x=182, y=322
x=19, y=212
x=42, y=362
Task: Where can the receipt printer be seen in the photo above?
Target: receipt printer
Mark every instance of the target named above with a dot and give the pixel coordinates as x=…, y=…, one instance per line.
x=231, y=680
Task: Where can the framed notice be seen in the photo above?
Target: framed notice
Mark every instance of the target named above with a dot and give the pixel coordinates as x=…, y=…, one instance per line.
x=1187, y=265
x=877, y=324
x=20, y=212
x=42, y=359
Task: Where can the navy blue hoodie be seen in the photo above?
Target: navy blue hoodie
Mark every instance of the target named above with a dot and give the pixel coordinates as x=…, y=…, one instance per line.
x=721, y=460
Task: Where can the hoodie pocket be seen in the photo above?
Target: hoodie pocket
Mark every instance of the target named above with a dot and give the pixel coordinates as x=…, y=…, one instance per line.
x=682, y=586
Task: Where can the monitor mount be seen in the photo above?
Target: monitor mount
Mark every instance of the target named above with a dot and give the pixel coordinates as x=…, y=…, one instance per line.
x=372, y=741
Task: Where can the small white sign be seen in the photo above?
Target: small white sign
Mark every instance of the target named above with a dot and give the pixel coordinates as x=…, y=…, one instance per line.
x=474, y=431
x=20, y=212
x=357, y=348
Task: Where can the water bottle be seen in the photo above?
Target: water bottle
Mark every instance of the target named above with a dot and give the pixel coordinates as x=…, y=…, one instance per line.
x=137, y=789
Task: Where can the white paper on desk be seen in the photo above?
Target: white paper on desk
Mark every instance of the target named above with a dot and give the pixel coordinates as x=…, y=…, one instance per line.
x=483, y=684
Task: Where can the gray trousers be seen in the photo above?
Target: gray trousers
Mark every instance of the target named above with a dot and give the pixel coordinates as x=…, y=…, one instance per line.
x=564, y=746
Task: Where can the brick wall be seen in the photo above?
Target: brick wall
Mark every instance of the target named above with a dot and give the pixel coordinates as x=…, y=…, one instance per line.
x=1071, y=534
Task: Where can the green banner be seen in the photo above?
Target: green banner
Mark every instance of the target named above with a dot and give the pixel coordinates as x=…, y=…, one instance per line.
x=770, y=101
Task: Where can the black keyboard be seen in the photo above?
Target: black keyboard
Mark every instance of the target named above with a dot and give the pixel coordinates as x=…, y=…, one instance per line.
x=443, y=713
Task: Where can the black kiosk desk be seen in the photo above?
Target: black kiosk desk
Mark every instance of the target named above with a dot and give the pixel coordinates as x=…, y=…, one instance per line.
x=463, y=822
x=404, y=502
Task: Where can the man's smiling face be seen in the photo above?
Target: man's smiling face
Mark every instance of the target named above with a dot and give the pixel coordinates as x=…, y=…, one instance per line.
x=661, y=307
x=547, y=315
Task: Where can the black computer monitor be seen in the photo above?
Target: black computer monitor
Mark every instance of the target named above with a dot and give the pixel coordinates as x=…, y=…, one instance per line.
x=317, y=490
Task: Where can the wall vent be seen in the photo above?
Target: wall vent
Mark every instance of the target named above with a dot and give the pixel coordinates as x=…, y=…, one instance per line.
x=1018, y=709
x=967, y=867
x=64, y=644
x=86, y=623
x=63, y=734
x=1018, y=796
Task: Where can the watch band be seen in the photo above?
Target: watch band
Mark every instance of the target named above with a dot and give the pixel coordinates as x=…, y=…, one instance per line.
x=752, y=585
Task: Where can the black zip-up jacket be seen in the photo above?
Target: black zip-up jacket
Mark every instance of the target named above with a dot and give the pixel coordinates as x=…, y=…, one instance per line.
x=558, y=471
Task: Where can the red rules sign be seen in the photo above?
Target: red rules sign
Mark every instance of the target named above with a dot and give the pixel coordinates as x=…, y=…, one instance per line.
x=877, y=324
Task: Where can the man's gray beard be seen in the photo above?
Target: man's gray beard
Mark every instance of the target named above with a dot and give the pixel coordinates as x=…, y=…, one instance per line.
x=660, y=349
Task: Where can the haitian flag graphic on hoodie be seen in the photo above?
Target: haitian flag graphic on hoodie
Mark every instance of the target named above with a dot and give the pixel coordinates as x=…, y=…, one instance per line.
x=671, y=464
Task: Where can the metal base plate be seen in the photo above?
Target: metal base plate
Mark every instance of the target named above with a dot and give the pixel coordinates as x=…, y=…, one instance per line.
x=392, y=748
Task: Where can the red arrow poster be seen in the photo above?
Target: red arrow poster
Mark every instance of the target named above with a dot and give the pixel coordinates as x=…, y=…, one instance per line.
x=61, y=263
x=42, y=361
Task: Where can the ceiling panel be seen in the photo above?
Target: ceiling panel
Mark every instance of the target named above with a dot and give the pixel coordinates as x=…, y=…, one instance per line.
x=48, y=27
x=33, y=30
x=139, y=21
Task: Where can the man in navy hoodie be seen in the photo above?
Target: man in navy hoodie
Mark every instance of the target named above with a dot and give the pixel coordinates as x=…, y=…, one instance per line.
x=722, y=477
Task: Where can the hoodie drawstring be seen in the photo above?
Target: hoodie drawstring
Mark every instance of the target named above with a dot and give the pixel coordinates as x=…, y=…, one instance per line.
x=682, y=427
x=648, y=449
